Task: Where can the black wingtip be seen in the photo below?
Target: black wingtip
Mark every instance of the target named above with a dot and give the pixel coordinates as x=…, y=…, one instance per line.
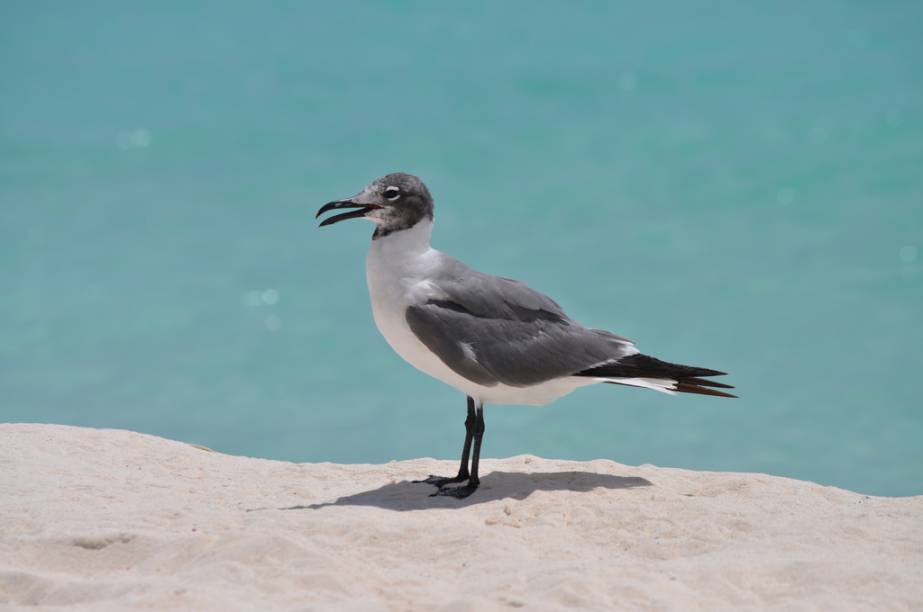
x=686, y=387
x=707, y=383
x=688, y=378
x=645, y=366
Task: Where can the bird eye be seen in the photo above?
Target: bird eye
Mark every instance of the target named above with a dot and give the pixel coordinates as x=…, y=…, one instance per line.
x=392, y=193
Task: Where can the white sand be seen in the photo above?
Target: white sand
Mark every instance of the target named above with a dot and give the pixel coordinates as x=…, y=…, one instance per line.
x=114, y=520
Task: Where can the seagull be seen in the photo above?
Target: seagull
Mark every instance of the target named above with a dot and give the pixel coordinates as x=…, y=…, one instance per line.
x=492, y=338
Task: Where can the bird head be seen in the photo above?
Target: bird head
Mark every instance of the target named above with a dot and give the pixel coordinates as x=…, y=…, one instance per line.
x=394, y=202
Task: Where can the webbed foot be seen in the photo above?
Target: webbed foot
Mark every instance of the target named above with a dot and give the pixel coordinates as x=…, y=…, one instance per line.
x=458, y=492
x=441, y=481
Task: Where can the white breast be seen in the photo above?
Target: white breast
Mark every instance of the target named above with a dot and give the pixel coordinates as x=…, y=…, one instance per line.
x=396, y=270
x=398, y=267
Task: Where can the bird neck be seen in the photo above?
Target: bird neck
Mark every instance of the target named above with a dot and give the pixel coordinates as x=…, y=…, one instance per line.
x=410, y=240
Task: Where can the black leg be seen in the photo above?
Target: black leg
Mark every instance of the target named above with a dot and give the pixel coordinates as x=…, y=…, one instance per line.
x=441, y=481
x=473, y=480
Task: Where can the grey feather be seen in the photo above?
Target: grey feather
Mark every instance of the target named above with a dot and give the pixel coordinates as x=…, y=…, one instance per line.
x=518, y=336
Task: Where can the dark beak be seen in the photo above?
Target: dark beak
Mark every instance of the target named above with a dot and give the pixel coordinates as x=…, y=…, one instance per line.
x=364, y=209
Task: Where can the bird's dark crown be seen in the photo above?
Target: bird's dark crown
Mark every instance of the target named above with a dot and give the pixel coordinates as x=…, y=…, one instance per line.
x=405, y=202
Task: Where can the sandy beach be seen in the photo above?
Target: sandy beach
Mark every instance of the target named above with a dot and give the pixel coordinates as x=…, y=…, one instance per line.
x=116, y=520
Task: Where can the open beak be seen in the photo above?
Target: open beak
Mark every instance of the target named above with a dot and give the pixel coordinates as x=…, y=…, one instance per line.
x=363, y=209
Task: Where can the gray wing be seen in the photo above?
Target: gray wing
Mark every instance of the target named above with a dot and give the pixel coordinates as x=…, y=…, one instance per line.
x=497, y=330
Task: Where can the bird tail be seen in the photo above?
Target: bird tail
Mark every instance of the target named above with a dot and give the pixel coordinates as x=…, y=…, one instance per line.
x=645, y=371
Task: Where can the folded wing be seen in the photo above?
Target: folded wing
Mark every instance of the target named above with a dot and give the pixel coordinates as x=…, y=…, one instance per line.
x=494, y=330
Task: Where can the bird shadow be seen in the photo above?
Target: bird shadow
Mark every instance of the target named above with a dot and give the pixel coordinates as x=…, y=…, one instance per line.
x=405, y=495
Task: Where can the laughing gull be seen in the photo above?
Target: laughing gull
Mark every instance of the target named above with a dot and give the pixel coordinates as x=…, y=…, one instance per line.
x=493, y=338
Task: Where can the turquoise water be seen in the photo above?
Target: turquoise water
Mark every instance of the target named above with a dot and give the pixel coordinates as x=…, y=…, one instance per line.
x=737, y=185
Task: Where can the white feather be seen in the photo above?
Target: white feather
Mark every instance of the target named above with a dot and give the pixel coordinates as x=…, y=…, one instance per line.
x=664, y=385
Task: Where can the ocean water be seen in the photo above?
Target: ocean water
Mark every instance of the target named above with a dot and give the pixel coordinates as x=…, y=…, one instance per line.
x=737, y=185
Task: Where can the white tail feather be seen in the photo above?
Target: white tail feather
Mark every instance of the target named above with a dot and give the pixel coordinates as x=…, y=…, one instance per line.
x=664, y=385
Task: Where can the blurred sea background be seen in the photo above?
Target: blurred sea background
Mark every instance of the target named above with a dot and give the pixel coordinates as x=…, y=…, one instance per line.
x=736, y=185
